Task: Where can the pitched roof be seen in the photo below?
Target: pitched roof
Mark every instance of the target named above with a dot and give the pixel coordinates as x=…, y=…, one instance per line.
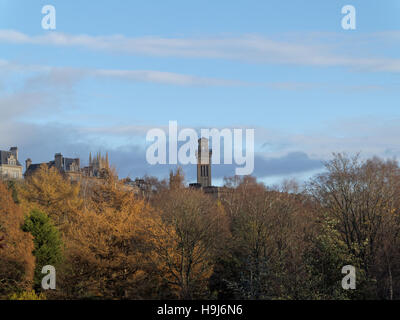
x=4, y=155
x=33, y=167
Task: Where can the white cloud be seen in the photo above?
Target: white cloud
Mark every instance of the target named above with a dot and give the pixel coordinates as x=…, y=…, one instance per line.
x=67, y=75
x=63, y=77
x=163, y=78
x=251, y=48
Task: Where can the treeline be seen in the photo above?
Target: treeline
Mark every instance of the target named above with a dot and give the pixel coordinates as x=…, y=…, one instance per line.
x=253, y=242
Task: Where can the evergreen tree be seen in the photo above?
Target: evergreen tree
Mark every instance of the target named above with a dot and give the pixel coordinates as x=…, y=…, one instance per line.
x=47, y=240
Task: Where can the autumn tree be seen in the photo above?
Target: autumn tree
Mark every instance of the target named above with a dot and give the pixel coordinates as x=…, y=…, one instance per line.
x=16, y=259
x=108, y=193
x=52, y=193
x=107, y=255
x=188, y=241
x=12, y=186
x=154, y=184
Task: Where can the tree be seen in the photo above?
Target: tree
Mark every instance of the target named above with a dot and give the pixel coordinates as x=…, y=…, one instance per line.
x=16, y=259
x=47, y=240
x=324, y=259
x=361, y=197
x=186, y=244
x=107, y=253
x=268, y=238
x=108, y=193
x=12, y=186
x=50, y=192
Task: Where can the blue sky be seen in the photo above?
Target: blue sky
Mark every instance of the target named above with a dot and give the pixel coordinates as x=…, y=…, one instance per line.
x=112, y=70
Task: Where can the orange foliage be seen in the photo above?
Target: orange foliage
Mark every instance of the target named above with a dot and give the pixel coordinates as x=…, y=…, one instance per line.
x=107, y=253
x=48, y=191
x=16, y=259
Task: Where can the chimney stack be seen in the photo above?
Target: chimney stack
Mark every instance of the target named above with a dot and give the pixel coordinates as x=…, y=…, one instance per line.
x=28, y=163
x=58, y=161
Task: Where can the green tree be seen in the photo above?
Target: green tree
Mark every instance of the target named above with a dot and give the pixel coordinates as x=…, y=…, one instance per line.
x=47, y=240
x=324, y=259
x=360, y=197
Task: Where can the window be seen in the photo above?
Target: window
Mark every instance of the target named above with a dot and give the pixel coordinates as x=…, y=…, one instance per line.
x=203, y=171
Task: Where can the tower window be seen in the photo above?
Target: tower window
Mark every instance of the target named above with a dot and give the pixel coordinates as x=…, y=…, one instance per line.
x=204, y=171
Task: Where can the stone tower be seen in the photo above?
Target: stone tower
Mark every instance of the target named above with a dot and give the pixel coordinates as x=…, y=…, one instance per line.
x=204, y=163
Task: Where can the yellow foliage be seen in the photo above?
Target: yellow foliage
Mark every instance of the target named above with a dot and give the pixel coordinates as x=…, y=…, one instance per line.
x=106, y=247
x=28, y=295
x=48, y=191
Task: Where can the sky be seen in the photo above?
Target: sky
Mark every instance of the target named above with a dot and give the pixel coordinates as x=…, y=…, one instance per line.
x=113, y=70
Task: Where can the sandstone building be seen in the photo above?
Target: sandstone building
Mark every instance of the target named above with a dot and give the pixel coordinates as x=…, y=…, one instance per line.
x=10, y=168
x=67, y=166
x=96, y=166
x=70, y=167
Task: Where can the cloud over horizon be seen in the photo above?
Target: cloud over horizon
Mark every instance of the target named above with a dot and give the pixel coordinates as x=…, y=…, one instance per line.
x=41, y=142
